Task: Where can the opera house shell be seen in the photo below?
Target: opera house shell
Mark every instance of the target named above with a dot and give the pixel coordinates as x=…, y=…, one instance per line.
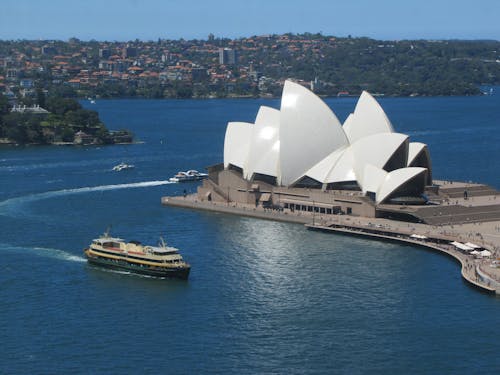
x=304, y=145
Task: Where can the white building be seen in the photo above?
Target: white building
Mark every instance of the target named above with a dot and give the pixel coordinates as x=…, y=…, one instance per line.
x=304, y=145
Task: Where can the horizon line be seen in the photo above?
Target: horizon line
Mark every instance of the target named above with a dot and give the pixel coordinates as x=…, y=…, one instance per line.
x=244, y=37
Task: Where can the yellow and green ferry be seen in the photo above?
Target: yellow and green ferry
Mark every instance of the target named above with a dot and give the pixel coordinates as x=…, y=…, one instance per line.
x=159, y=261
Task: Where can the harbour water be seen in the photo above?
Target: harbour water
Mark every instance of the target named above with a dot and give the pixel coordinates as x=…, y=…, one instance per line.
x=262, y=297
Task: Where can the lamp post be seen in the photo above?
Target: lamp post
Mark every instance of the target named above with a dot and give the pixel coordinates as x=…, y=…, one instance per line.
x=314, y=211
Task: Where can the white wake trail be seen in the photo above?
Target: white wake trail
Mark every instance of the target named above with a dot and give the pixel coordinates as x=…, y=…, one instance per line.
x=56, y=193
x=45, y=252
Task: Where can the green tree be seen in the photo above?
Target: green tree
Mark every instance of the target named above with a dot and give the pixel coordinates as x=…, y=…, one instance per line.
x=60, y=106
x=40, y=97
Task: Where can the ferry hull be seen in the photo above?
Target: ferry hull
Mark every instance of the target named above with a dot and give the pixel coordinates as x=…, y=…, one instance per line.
x=179, y=273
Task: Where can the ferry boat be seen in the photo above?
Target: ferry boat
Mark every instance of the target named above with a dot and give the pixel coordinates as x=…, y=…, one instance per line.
x=159, y=261
x=191, y=175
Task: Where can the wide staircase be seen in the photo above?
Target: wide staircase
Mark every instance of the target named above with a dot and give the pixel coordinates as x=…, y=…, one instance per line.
x=457, y=214
x=472, y=191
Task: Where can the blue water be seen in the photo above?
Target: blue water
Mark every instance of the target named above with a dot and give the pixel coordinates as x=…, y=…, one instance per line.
x=262, y=297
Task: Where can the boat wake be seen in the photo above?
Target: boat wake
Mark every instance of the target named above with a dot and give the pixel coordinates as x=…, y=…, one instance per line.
x=14, y=202
x=45, y=252
x=128, y=273
x=433, y=132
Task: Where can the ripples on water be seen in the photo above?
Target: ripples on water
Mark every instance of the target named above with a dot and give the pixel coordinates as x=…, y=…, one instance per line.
x=263, y=297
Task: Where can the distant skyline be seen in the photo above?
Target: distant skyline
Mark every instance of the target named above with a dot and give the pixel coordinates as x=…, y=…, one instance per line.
x=124, y=20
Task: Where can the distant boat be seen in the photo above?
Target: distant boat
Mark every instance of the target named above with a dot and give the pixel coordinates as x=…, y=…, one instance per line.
x=122, y=166
x=191, y=175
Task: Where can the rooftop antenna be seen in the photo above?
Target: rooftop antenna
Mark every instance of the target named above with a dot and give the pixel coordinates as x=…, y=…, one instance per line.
x=162, y=242
x=108, y=229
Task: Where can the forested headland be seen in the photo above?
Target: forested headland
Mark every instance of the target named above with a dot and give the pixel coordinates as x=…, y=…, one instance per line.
x=55, y=120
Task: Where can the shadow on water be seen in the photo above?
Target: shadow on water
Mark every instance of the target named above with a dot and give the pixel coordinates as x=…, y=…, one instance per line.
x=100, y=277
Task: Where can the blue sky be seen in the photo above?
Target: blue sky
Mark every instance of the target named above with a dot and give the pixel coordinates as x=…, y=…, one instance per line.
x=193, y=19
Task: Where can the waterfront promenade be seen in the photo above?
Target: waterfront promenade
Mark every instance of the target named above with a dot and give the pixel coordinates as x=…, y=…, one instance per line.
x=481, y=272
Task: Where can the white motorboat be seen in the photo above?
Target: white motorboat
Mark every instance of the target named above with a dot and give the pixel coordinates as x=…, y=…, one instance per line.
x=191, y=175
x=122, y=166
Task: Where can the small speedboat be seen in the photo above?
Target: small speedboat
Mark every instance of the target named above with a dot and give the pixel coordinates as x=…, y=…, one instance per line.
x=191, y=175
x=122, y=166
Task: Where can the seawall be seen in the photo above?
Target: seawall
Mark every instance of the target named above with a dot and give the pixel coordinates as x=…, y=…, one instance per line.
x=470, y=269
x=234, y=209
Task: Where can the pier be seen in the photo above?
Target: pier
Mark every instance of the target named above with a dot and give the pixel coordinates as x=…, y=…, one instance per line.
x=481, y=272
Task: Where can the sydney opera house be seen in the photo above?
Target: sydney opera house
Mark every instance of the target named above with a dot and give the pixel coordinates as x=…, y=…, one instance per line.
x=301, y=158
x=300, y=164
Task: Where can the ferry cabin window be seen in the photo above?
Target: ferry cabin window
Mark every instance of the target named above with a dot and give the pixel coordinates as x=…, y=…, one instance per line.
x=164, y=253
x=111, y=244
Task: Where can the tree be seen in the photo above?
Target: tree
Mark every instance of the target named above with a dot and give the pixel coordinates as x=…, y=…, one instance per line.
x=40, y=97
x=4, y=105
x=60, y=106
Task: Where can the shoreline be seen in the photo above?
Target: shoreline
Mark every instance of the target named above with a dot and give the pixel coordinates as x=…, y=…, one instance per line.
x=14, y=144
x=437, y=239
x=479, y=94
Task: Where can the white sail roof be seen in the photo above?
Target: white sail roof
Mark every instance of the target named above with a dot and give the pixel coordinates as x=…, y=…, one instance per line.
x=237, y=143
x=368, y=118
x=414, y=149
x=343, y=170
x=321, y=170
x=309, y=131
x=395, y=180
x=377, y=150
x=346, y=126
x=305, y=138
x=263, y=153
x=418, y=156
x=374, y=177
x=269, y=163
